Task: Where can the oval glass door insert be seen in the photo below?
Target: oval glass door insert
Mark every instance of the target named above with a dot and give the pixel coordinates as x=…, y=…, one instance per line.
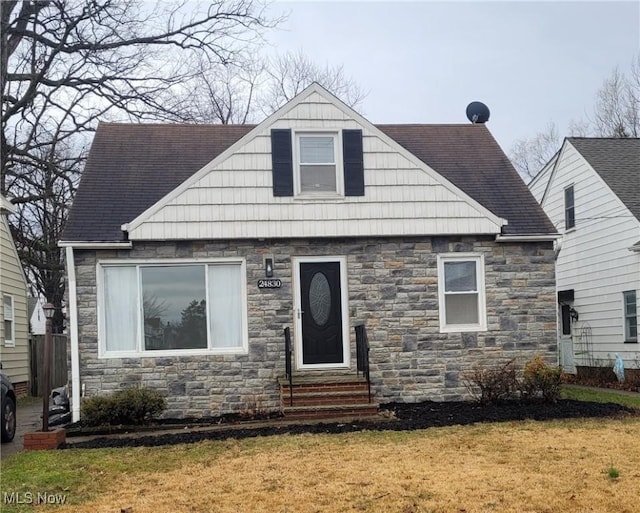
x=320, y=298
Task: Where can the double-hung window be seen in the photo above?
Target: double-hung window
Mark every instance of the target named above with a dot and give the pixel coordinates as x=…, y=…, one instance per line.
x=9, y=321
x=569, y=209
x=630, y=316
x=317, y=163
x=461, y=292
x=172, y=308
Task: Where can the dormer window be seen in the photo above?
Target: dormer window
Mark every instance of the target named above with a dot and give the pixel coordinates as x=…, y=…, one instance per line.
x=317, y=163
x=317, y=169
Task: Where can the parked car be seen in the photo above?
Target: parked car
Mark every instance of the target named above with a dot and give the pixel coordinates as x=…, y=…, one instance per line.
x=8, y=427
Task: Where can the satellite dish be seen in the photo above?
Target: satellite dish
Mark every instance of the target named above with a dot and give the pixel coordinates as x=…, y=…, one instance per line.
x=478, y=112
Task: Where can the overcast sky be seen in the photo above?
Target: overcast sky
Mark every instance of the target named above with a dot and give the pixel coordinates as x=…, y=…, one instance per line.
x=423, y=62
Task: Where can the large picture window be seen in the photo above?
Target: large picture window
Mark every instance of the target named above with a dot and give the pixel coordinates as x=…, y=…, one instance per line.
x=461, y=292
x=157, y=309
x=630, y=316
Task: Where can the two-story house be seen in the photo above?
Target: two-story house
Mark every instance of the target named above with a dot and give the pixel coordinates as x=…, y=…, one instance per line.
x=591, y=192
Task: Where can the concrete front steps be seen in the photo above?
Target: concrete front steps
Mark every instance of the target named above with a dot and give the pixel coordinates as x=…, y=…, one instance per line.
x=326, y=397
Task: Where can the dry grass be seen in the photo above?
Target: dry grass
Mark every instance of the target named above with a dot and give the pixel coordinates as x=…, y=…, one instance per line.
x=517, y=467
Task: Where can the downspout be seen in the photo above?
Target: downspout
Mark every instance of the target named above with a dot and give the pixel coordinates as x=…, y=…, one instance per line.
x=73, y=333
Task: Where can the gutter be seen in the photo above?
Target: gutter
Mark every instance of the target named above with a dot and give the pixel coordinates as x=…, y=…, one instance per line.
x=73, y=333
x=94, y=244
x=551, y=237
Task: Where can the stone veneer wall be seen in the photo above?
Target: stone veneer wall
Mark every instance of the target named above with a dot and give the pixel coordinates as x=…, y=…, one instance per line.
x=392, y=289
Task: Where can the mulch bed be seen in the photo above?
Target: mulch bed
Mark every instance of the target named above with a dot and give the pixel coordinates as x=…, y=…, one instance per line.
x=404, y=417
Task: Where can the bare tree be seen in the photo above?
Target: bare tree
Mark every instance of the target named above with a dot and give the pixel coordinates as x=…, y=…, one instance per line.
x=291, y=72
x=250, y=90
x=64, y=64
x=616, y=113
x=529, y=155
x=223, y=94
x=617, y=109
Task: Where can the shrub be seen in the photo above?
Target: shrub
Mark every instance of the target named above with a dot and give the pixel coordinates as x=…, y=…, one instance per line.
x=489, y=385
x=98, y=411
x=540, y=380
x=129, y=406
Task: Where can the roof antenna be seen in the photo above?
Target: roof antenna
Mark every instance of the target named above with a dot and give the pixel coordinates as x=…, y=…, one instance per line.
x=477, y=112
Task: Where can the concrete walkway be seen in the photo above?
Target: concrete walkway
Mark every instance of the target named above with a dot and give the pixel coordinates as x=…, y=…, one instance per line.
x=29, y=418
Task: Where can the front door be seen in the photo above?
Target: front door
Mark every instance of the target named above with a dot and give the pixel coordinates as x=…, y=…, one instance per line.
x=320, y=313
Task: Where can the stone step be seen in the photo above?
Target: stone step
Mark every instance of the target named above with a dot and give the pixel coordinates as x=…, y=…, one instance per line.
x=325, y=398
x=325, y=388
x=330, y=411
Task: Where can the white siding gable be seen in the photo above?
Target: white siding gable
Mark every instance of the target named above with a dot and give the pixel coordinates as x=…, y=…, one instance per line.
x=594, y=259
x=232, y=197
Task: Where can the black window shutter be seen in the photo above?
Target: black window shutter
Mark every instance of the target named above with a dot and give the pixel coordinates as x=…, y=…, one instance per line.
x=282, y=162
x=353, y=162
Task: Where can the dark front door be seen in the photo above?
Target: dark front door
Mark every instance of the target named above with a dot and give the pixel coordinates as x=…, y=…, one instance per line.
x=321, y=304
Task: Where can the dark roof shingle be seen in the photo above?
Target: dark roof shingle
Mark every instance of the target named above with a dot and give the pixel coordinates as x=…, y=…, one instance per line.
x=132, y=166
x=617, y=161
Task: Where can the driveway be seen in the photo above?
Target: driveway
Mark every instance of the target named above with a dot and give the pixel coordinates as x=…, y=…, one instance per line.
x=29, y=417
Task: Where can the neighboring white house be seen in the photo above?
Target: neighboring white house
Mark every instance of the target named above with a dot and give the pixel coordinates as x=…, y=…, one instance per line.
x=37, y=321
x=591, y=192
x=14, y=325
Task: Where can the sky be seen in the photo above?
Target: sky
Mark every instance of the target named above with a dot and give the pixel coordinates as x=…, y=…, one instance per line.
x=531, y=63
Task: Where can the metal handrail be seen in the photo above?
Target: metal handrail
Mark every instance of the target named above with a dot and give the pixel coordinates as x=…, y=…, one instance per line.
x=362, y=355
x=287, y=362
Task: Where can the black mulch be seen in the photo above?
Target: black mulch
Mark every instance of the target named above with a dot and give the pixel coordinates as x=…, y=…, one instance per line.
x=407, y=417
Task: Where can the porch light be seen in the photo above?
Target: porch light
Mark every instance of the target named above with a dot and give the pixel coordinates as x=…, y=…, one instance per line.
x=268, y=267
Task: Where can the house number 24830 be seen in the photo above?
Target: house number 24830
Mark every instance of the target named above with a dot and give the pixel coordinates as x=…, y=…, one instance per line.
x=269, y=284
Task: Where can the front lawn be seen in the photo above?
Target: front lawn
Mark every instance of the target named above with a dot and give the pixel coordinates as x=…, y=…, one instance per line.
x=522, y=466
x=600, y=396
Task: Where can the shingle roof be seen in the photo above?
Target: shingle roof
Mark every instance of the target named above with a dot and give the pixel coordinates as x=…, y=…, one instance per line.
x=132, y=166
x=617, y=161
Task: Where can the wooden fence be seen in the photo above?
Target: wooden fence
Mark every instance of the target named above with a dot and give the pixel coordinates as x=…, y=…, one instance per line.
x=58, y=362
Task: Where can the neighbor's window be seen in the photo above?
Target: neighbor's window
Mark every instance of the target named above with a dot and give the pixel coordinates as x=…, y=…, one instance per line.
x=155, y=308
x=317, y=168
x=630, y=316
x=9, y=321
x=461, y=292
x=569, y=208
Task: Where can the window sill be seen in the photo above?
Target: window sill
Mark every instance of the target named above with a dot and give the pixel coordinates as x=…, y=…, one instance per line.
x=630, y=341
x=9, y=343
x=326, y=197
x=570, y=230
x=172, y=353
x=463, y=328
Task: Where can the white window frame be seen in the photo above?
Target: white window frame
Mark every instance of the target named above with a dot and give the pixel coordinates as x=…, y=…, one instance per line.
x=566, y=208
x=626, y=317
x=478, y=259
x=11, y=341
x=140, y=351
x=337, y=150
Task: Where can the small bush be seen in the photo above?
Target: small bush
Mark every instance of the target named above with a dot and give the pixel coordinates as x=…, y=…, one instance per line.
x=490, y=385
x=540, y=380
x=98, y=411
x=130, y=406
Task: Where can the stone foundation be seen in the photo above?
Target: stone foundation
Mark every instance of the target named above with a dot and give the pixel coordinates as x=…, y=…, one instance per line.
x=392, y=289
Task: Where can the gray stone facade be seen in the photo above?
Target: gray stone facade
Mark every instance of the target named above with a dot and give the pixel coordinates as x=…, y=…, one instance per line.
x=392, y=289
